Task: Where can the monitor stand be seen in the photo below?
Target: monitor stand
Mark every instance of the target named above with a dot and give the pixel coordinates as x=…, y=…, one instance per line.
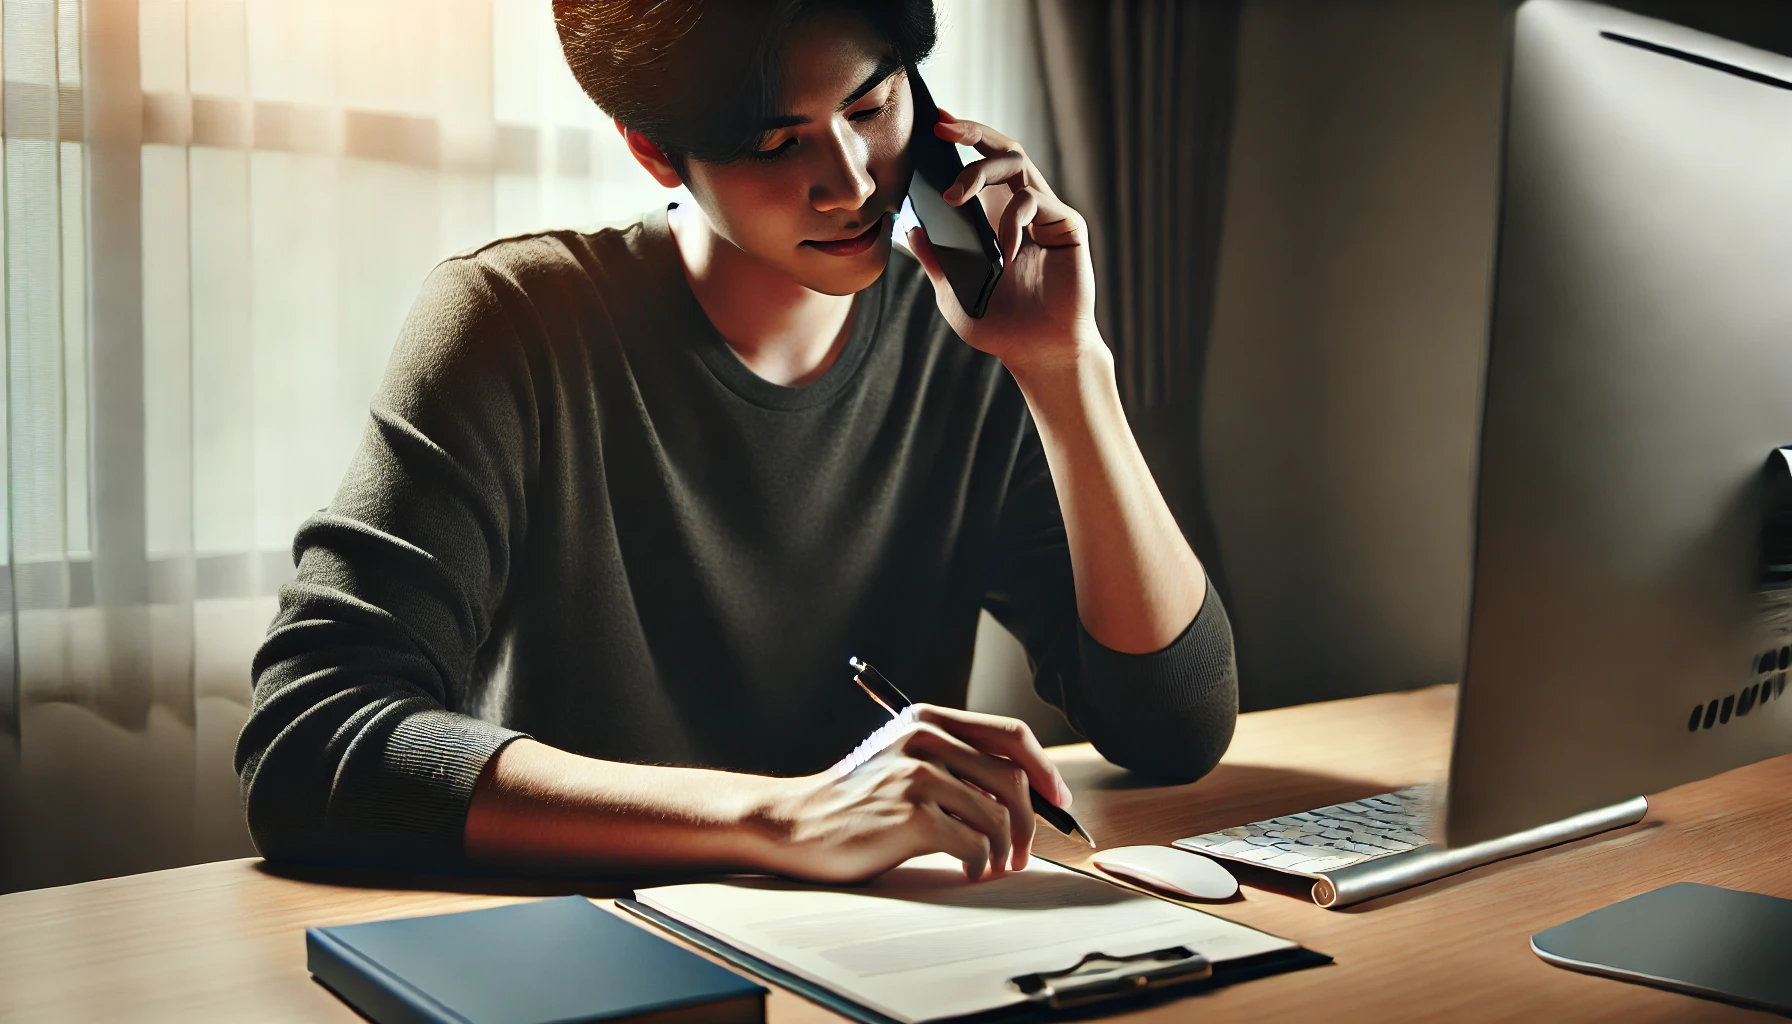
x=1699, y=939
x=1378, y=877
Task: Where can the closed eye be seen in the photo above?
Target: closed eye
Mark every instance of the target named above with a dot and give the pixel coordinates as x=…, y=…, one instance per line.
x=860, y=116
x=872, y=113
x=775, y=152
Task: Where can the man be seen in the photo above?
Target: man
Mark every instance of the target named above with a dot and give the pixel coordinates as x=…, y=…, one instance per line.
x=630, y=499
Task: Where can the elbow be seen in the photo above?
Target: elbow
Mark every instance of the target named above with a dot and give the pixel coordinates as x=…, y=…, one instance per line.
x=283, y=846
x=285, y=778
x=293, y=830
x=1171, y=749
x=285, y=825
x=1172, y=726
x=1167, y=716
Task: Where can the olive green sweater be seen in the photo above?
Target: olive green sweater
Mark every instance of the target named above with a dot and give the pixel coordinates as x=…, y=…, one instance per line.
x=577, y=515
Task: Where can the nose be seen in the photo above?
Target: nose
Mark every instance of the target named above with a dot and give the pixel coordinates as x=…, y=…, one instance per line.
x=843, y=182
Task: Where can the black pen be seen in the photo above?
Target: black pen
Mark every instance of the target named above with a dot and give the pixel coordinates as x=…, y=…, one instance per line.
x=893, y=700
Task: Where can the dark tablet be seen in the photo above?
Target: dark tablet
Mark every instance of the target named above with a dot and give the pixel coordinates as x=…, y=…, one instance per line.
x=1699, y=939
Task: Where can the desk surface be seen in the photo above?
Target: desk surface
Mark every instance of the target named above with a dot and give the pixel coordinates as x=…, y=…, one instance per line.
x=224, y=941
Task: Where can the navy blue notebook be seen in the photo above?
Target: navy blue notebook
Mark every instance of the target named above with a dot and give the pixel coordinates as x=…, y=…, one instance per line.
x=530, y=963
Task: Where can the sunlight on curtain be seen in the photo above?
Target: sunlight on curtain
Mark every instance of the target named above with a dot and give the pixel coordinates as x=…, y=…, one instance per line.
x=217, y=213
x=986, y=68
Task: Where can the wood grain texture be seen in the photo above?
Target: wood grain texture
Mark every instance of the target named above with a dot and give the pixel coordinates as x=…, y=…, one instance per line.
x=225, y=941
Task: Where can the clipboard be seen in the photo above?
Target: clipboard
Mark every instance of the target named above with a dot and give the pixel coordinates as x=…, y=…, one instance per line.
x=1095, y=985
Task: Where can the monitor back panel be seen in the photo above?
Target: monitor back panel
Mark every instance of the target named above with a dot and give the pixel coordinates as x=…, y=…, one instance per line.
x=1639, y=374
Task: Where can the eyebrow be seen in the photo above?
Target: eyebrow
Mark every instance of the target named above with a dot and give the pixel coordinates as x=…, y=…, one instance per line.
x=887, y=65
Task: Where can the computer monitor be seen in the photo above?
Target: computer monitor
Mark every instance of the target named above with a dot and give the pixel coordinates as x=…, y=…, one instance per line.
x=1638, y=378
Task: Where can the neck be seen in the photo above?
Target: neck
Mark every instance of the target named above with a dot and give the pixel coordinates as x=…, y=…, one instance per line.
x=783, y=331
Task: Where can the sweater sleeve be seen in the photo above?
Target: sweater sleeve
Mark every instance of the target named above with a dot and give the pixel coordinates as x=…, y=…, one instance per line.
x=359, y=746
x=1169, y=714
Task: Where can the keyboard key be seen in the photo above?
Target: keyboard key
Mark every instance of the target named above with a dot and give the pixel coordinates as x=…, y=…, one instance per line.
x=1309, y=842
x=1288, y=833
x=1384, y=843
x=1327, y=838
x=1337, y=817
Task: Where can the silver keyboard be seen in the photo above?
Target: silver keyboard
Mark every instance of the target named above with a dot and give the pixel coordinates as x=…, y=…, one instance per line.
x=1314, y=842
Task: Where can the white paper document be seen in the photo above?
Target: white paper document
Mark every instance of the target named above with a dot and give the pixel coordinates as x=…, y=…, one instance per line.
x=921, y=943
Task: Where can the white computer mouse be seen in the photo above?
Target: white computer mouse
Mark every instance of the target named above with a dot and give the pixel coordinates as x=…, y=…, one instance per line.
x=1177, y=872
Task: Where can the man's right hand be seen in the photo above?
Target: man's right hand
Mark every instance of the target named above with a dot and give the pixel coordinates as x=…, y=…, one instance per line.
x=954, y=782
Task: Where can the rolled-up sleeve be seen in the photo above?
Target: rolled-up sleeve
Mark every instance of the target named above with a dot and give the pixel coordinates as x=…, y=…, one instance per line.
x=360, y=745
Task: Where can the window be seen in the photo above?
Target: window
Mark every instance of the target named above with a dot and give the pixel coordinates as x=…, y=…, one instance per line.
x=218, y=213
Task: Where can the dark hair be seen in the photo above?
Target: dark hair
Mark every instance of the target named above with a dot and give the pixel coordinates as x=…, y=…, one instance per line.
x=700, y=78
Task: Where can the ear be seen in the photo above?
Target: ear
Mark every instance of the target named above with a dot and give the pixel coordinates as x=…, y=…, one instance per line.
x=650, y=157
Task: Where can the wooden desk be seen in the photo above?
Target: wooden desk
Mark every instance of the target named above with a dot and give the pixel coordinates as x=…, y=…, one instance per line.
x=224, y=941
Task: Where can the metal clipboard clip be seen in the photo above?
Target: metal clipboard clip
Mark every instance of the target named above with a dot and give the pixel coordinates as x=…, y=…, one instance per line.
x=1098, y=976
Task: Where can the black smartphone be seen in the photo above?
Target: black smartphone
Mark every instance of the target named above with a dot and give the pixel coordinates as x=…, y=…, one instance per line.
x=961, y=235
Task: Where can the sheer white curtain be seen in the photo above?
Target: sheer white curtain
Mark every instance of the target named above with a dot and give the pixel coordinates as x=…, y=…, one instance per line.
x=217, y=213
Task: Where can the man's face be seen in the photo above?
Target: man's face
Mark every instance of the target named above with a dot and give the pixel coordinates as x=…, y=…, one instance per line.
x=818, y=198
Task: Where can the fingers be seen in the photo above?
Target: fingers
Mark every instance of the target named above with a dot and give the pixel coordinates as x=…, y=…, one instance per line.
x=937, y=787
x=998, y=777
x=1003, y=737
x=981, y=137
x=1055, y=225
x=1008, y=168
x=1044, y=217
x=956, y=839
x=1016, y=217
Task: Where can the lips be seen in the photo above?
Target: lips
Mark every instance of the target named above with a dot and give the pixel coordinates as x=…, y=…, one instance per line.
x=879, y=229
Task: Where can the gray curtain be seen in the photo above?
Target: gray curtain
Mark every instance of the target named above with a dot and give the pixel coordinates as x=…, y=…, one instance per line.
x=1142, y=95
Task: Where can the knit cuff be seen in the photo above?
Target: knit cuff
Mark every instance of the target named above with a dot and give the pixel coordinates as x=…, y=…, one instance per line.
x=429, y=765
x=1176, y=678
x=1169, y=713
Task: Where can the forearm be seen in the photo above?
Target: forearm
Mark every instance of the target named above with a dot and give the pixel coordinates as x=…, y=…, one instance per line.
x=538, y=807
x=1138, y=584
